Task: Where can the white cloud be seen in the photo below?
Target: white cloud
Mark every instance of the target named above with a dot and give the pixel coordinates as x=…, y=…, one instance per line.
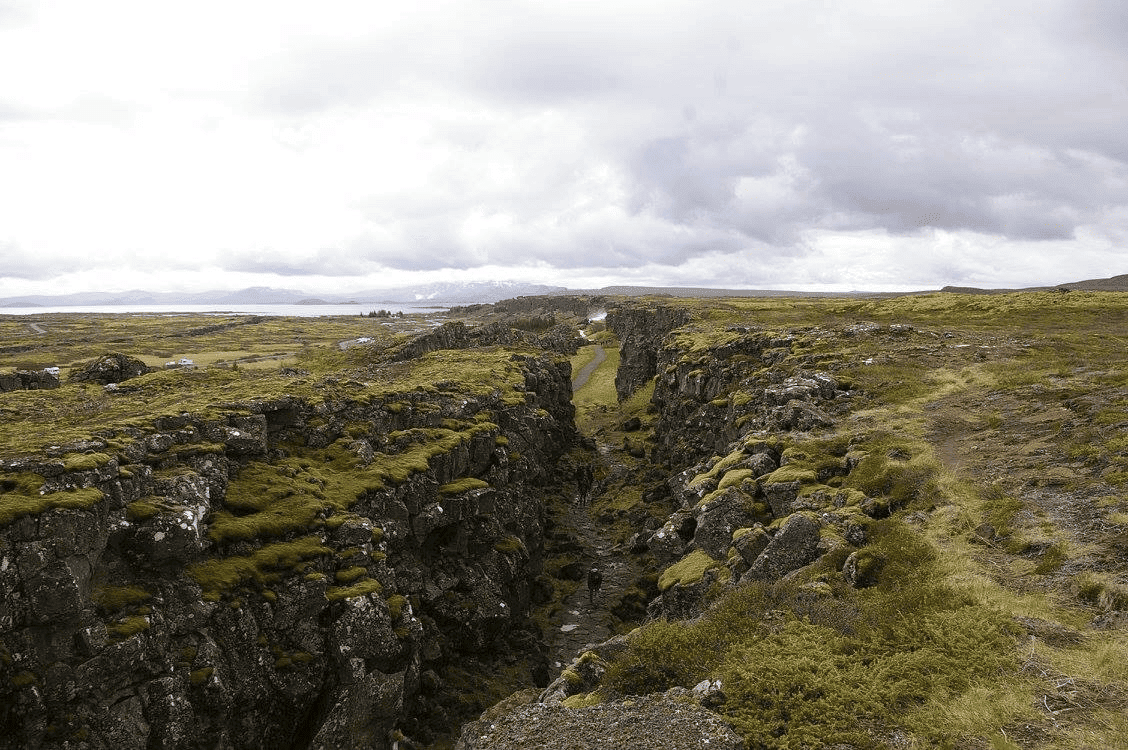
x=784, y=144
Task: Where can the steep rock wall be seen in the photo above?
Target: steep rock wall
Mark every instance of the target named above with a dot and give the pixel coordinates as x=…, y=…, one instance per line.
x=290, y=574
x=640, y=330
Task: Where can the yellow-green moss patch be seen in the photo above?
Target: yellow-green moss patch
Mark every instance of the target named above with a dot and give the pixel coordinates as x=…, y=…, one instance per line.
x=690, y=569
x=463, y=485
x=361, y=588
x=224, y=574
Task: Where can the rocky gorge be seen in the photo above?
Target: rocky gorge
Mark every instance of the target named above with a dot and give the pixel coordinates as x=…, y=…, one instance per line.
x=801, y=546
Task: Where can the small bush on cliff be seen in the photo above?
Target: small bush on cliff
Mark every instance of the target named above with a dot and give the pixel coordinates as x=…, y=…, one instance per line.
x=661, y=655
x=888, y=470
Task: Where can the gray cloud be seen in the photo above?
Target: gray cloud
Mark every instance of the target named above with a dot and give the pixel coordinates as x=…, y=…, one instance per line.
x=325, y=262
x=673, y=135
x=17, y=263
x=748, y=129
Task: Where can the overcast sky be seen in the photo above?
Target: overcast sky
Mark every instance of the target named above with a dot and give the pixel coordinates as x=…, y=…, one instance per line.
x=800, y=144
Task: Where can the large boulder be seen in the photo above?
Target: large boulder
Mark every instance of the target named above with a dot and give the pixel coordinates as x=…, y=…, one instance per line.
x=795, y=544
x=717, y=519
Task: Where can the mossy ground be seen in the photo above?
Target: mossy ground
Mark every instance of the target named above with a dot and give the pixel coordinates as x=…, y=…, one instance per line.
x=315, y=369
x=996, y=425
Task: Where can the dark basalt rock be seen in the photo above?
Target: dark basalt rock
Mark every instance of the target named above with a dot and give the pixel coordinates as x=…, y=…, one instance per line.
x=29, y=380
x=111, y=368
x=108, y=641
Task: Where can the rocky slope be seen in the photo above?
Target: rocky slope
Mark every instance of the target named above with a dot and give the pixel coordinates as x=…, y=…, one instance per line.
x=280, y=572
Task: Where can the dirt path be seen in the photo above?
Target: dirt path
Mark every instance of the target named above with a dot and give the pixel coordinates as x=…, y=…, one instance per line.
x=582, y=376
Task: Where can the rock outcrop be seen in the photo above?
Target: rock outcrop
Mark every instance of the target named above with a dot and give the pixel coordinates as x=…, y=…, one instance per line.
x=729, y=405
x=287, y=572
x=640, y=330
x=110, y=368
x=672, y=721
x=457, y=335
x=29, y=380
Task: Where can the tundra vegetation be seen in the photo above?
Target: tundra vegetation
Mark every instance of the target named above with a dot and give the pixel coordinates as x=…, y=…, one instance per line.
x=987, y=441
x=969, y=591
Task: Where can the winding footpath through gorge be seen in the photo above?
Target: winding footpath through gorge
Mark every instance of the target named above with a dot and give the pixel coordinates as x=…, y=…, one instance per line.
x=584, y=621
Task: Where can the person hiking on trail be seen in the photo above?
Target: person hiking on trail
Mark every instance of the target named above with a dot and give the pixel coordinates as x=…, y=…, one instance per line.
x=584, y=479
x=595, y=580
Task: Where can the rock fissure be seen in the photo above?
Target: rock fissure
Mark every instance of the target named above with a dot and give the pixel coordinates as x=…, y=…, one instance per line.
x=378, y=555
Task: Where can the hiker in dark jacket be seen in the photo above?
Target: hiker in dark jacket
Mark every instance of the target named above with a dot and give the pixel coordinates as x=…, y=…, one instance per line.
x=585, y=477
x=595, y=580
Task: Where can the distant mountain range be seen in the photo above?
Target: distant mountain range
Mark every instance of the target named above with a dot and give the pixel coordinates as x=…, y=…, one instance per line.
x=1111, y=284
x=449, y=292
x=465, y=293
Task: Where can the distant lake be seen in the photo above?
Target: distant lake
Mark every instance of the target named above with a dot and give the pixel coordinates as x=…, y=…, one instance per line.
x=295, y=311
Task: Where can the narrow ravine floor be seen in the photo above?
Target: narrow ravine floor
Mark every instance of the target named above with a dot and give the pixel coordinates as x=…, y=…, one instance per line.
x=583, y=622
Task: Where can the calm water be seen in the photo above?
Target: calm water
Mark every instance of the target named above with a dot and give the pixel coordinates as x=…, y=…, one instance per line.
x=297, y=311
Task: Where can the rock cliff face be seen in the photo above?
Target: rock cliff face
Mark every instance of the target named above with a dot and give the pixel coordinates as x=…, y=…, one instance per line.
x=734, y=410
x=640, y=330
x=280, y=573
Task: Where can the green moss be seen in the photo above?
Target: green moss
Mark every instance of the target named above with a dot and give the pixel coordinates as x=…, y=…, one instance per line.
x=22, y=679
x=510, y=545
x=111, y=599
x=1000, y=509
x=361, y=588
x=21, y=497
x=199, y=676
x=901, y=482
x=719, y=468
x=839, y=668
x=792, y=473
x=736, y=478
x=1102, y=591
x=572, y=677
x=459, y=486
x=396, y=604
x=84, y=461
x=1052, y=560
x=690, y=569
x=582, y=700
x=348, y=575
x=224, y=574
x=141, y=510
x=129, y=626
